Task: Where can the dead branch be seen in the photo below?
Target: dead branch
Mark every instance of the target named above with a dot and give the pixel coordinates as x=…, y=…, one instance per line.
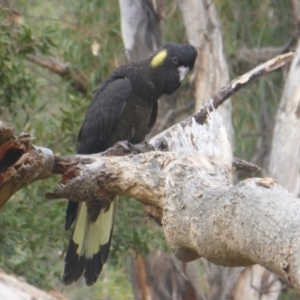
x=217, y=99
x=203, y=215
x=227, y=91
x=21, y=163
x=19, y=159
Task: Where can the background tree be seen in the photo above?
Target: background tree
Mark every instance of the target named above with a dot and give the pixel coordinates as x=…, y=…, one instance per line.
x=87, y=36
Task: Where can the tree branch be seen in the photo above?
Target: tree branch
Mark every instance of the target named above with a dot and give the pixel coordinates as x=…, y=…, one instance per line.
x=204, y=215
x=78, y=79
x=11, y=170
x=260, y=55
x=217, y=99
x=227, y=91
x=21, y=163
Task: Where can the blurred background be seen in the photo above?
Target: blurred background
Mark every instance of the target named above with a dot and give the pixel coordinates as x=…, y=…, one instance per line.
x=53, y=54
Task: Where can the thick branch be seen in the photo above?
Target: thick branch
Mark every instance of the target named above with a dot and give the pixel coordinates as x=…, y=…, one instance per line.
x=10, y=176
x=138, y=178
x=203, y=214
x=256, y=221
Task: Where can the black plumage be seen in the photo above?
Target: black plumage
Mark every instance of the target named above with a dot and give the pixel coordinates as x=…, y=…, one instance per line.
x=124, y=107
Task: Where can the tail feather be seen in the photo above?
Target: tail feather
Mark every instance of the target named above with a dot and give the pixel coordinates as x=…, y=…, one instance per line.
x=71, y=213
x=74, y=265
x=89, y=247
x=105, y=248
x=93, y=268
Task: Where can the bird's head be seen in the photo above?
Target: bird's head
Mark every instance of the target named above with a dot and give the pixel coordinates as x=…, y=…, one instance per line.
x=170, y=65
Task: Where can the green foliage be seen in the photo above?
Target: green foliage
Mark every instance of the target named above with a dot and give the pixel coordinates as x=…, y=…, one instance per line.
x=29, y=241
x=16, y=81
x=28, y=247
x=289, y=294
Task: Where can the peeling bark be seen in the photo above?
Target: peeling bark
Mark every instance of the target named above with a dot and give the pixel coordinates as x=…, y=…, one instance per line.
x=21, y=163
x=256, y=221
x=204, y=215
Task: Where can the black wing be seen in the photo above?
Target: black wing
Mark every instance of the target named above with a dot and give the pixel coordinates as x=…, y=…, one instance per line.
x=153, y=116
x=103, y=114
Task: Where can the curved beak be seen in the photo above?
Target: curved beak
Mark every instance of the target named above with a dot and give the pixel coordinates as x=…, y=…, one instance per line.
x=182, y=71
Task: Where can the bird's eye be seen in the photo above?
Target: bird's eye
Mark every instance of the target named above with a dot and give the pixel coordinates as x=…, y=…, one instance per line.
x=175, y=60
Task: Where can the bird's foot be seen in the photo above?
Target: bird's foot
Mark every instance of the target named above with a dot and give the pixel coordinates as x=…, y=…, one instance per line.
x=125, y=145
x=135, y=149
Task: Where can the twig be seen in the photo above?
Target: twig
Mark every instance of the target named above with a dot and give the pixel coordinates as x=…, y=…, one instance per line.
x=227, y=91
x=259, y=55
x=77, y=78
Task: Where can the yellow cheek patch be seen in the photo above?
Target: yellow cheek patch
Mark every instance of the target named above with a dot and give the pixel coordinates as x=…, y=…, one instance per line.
x=159, y=58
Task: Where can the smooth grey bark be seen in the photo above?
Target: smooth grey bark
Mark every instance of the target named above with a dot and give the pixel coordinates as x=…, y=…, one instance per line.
x=203, y=30
x=140, y=28
x=284, y=164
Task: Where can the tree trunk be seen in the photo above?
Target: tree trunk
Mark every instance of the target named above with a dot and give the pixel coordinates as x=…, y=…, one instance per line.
x=141, y=37
x=284, y=163
x=165, y=277
x=204, y=32
x=257, y=283
x=140, y=28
